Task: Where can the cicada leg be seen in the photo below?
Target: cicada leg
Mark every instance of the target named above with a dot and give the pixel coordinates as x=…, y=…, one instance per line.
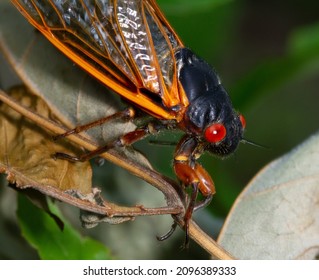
x=126, y=114
x=168, y=234
x=187, y=217
x=191, y=173
x=122, y=141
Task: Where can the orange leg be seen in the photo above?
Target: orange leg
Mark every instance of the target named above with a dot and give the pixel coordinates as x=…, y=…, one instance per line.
x=191, y=173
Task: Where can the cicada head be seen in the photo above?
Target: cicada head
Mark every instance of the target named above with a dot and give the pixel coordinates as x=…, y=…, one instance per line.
x=210, y=116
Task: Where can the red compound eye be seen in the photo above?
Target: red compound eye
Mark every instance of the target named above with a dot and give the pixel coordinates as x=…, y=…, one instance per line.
x=215, y=133
x=242, y=120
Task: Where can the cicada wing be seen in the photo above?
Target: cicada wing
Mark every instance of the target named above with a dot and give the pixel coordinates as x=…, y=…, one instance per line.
x=127, y=45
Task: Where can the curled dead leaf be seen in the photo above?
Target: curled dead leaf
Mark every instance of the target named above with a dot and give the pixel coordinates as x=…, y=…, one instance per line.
x=27, y=149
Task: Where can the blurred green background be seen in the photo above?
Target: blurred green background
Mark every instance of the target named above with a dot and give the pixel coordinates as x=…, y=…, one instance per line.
x=267, y=54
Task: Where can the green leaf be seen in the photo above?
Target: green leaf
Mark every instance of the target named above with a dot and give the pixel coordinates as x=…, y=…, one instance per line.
x=44, y=234
x=276, y=216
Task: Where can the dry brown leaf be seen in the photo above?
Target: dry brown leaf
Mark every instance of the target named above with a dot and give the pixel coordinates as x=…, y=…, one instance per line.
x=26, y=151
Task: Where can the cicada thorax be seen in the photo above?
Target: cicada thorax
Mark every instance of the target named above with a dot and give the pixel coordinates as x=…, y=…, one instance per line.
x=209, y=116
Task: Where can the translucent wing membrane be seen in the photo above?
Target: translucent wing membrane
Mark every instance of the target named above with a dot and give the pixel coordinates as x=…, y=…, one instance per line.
x=126, y=44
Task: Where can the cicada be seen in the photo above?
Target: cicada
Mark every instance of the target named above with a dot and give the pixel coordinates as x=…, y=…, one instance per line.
x=129, y=46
